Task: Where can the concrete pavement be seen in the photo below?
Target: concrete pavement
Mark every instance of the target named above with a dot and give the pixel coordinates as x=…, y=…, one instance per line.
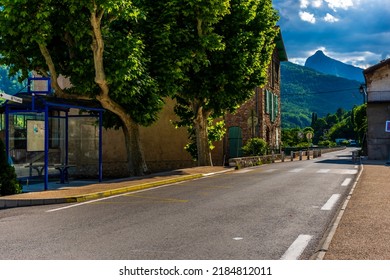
x=361, y=231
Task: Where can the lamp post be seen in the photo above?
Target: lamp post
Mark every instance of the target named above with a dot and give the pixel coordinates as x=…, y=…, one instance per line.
x=363, y=91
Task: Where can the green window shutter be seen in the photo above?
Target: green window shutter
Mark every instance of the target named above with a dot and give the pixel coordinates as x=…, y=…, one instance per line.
x=272, y=107
x=276, y=103
x=266, y=101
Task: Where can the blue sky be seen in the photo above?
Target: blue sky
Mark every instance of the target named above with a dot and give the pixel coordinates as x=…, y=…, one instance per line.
x=356, y=32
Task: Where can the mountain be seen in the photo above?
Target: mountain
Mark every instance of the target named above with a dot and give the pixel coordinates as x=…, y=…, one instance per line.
x=324, y=64
x=304, y=91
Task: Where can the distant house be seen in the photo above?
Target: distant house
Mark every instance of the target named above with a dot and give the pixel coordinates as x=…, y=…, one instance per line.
x=378, y=110
x=260, y=116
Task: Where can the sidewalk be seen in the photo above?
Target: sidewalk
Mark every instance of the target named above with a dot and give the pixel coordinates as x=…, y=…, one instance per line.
x=83, y=191
x=362, y=229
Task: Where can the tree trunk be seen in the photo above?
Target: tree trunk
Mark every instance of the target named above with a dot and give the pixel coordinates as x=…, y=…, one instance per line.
x=135, y=156
x=202, y=143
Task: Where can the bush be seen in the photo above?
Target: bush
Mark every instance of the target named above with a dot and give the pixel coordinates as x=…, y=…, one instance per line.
x=326, y=143
x=255, y=147
x=8, y=181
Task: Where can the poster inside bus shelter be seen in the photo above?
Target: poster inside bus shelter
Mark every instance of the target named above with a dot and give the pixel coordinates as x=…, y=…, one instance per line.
x=35, y=136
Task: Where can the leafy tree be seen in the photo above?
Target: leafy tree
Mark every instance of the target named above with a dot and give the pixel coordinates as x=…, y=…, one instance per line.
x=331, y=119
x=293, y=137
x=98, y=45
x=213, y=54
x=360, y=120
x=342, y=129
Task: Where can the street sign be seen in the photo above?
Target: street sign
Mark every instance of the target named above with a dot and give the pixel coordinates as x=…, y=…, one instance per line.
x=11, y=97
x=387, y=129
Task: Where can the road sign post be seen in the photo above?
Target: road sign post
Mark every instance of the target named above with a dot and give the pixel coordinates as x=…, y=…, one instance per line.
x=11, y=97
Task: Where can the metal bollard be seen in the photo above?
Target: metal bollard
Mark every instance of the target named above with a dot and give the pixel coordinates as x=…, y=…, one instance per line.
x=292, y=155
x=282, y=156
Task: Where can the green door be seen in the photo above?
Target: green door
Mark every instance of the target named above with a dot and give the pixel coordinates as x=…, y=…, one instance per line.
x=235, y=142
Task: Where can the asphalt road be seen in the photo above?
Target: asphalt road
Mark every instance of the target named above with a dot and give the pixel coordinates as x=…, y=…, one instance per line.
x=275, y=211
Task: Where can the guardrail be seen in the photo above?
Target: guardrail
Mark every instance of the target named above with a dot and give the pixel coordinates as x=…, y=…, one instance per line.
x=242, y=162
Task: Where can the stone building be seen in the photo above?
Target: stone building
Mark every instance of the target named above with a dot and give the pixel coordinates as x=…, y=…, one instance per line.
x=260, y=116
x=378, y=110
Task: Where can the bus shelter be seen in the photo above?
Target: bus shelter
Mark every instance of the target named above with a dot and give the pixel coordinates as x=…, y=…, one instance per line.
x=48, y=137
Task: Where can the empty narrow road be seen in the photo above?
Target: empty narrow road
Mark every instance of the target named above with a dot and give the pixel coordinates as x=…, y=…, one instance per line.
x=275, y=211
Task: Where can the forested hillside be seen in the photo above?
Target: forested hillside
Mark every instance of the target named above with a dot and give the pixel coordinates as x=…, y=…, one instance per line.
x=304, y=91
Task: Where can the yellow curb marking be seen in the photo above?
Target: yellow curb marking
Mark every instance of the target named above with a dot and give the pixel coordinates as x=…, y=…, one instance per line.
x=108, y=193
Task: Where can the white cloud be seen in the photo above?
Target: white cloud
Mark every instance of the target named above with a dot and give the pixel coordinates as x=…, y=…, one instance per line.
x=305, y=16
x=317, y=3
x=330, y=18
x=343, y=4
x=304, y=4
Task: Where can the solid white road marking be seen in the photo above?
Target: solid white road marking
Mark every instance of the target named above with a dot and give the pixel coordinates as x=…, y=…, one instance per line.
x=270, y=170
x=238, y=238
x=296, y=249
x=346, y=182
x=244, y=171
x=331, y=202
x=344, y=171
x=323, y=171
x=109, y=197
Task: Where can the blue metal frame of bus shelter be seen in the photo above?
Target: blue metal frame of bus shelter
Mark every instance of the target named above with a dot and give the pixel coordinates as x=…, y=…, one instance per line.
x=40, y=103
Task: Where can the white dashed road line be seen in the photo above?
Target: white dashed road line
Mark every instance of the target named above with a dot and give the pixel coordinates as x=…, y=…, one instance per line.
x=346, y=182
x=296, y=170
x=331, y=202
x=296, y=249
x=323, y=171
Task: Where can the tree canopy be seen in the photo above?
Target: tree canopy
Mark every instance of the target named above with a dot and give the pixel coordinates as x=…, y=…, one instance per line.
x=209, y=54
x=219, y=51
x=97, y=45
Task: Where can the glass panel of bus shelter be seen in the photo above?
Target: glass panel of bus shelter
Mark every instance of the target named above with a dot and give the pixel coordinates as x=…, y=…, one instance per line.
x=27, y=143
x=84, y=146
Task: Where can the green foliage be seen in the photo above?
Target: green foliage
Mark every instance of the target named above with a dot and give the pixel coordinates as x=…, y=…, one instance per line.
x=8, y=181
x=327, y=143
x=255, y=147
x=343, y=124
x=216, y=130
x=212, y=57
x=296, y=137
x=64, y=28
x=359, y=121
